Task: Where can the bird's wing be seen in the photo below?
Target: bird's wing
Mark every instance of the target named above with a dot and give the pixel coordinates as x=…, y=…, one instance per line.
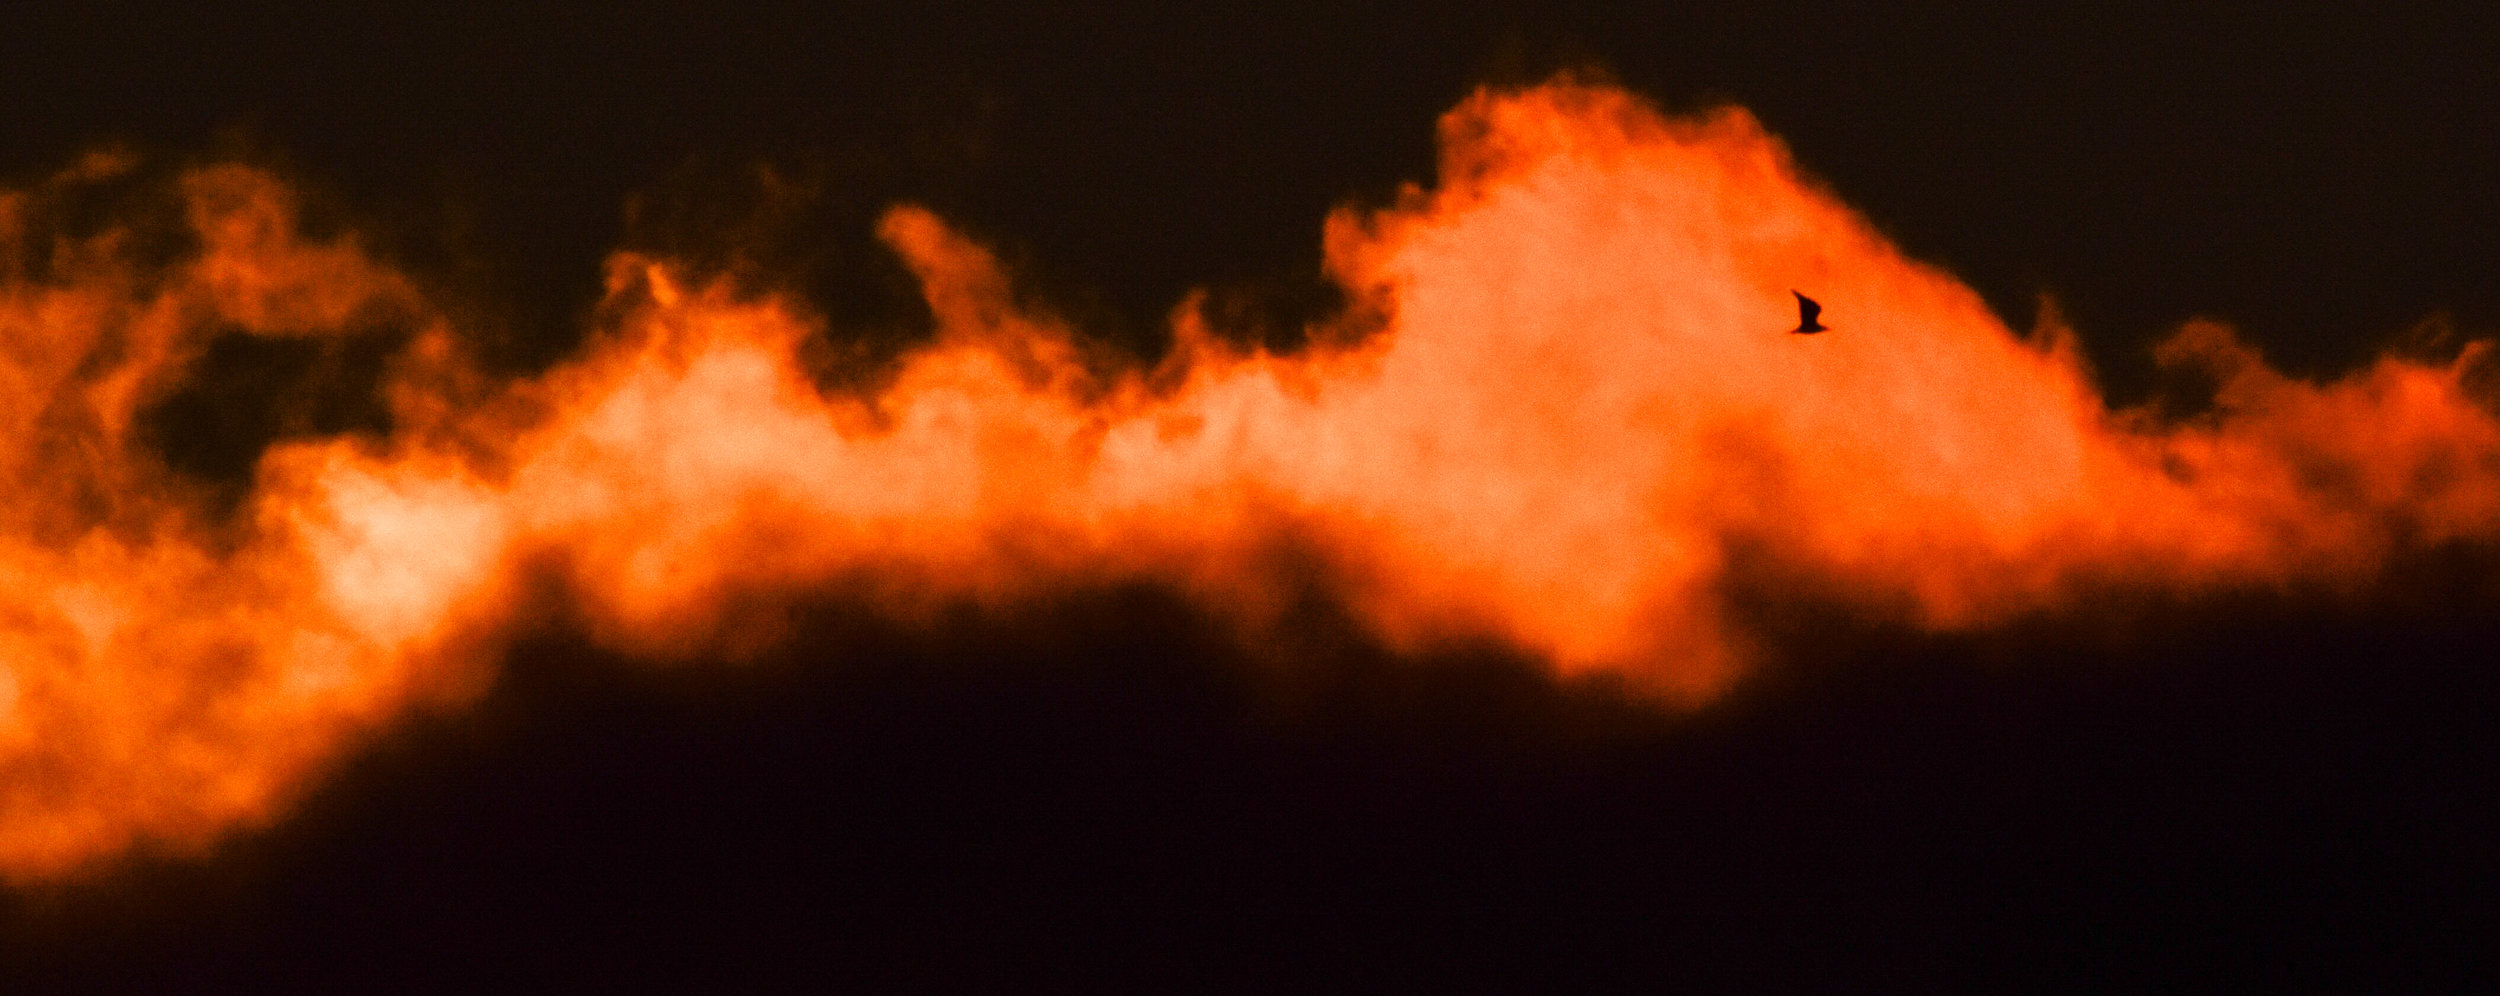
x=1807, y=310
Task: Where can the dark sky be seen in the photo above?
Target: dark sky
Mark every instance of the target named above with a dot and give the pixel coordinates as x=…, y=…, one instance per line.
x=1104, y=789
x=2318, y=175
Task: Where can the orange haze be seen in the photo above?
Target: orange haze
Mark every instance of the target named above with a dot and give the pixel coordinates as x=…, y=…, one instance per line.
x=1564, y=401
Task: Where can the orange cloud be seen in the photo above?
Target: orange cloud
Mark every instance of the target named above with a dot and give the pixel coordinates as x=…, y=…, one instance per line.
x=1566, y=401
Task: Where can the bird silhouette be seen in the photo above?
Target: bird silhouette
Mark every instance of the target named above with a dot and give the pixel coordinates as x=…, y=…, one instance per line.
x=1807, y=312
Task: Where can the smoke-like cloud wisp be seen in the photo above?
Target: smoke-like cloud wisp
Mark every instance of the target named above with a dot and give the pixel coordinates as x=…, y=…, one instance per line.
x=1563, y=399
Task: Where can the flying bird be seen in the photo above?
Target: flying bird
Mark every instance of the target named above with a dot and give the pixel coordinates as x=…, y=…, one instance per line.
x=1807, y=312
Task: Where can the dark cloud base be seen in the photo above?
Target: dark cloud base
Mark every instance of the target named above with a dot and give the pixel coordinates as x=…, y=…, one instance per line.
x=1111, y=789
